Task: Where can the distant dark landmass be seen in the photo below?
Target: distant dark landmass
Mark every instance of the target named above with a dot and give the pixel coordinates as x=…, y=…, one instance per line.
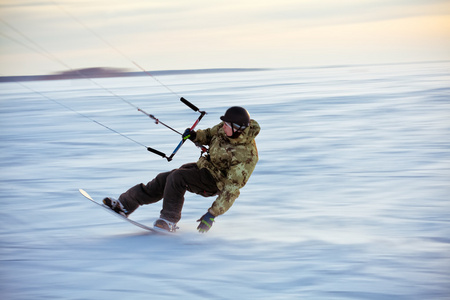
x=117, y=72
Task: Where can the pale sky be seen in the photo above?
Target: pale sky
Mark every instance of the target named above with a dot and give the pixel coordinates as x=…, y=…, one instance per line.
x=196, y=34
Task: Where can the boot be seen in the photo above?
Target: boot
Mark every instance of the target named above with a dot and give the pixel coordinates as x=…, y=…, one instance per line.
x=116, y=206
x=165, y=225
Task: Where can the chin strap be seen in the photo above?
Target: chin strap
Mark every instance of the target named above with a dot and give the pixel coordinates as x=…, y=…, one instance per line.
x=237, y=131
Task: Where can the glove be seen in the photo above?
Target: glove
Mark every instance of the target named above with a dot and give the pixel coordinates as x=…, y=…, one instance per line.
x=189, y=134
x=206, y=221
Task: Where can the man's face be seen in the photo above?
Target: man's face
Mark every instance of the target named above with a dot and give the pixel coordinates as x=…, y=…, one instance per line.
x=227, y=129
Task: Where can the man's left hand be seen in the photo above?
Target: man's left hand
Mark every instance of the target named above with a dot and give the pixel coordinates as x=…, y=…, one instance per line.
x=206, y=221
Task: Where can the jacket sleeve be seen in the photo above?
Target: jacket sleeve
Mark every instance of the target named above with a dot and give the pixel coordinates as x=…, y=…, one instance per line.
x=236, y=178
x=204, y=136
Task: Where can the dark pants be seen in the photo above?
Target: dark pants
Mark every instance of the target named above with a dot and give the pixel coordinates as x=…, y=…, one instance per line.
x=171, y=186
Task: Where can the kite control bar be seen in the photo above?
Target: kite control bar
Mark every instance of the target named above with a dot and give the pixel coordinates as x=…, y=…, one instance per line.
x=194, y=108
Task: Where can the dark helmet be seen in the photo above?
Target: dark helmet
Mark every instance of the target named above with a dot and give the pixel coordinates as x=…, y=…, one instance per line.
x=237, y=115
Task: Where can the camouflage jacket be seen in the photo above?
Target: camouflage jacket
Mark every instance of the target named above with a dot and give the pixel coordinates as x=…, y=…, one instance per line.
x=230, y=162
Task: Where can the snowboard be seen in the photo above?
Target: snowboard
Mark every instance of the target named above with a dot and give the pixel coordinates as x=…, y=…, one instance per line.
x=152, y=229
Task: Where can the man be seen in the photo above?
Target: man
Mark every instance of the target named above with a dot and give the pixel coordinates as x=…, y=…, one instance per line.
x=231, y=159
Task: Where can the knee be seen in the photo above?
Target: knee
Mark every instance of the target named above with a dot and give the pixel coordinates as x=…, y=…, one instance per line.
x=176, y=177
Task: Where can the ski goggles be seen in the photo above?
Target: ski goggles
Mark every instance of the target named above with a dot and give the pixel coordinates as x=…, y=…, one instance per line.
x=235, y=126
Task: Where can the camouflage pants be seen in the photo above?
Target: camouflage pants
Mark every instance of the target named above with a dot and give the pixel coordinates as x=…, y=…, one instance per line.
x=171, y=186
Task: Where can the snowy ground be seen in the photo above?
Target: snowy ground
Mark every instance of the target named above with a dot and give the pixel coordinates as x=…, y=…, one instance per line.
x=350, y=199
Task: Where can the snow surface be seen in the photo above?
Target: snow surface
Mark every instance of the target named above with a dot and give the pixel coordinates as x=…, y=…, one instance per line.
x=350, y=198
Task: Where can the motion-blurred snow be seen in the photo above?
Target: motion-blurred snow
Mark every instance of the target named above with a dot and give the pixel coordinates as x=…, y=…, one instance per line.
x=350, y=198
